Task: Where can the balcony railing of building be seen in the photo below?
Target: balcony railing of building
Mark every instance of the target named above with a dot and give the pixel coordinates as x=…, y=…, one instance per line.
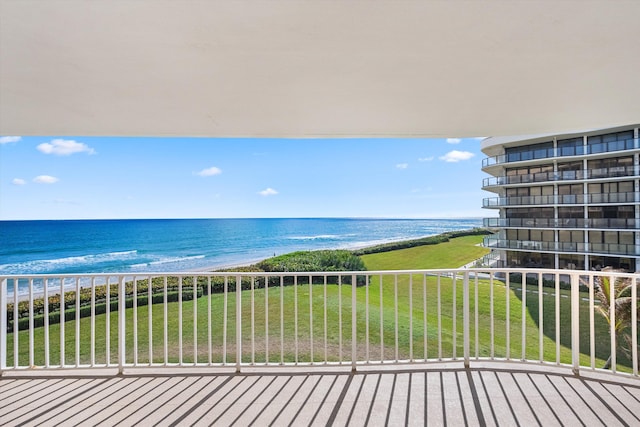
x=599, y=173
x=235, y=321
x=547, y=153
x=562, y=199
x=579, y=247
x=592, y=223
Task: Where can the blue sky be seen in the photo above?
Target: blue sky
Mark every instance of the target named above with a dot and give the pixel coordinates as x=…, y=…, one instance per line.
x=91, y=177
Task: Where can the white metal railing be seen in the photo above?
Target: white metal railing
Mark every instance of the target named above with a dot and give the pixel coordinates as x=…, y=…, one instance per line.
x=318, y=319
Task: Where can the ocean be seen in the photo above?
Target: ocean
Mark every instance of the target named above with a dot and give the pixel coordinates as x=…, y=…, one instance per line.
x=178, y=245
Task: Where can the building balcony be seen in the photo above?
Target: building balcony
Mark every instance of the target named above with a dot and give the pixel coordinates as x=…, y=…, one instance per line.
x=549, y=153
x=563, y=199
x=579, y=175
x=552, y=223
x=605, y=249
x=406, y=347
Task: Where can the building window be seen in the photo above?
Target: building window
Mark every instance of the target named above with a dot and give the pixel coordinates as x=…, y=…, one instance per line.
x=571, y=147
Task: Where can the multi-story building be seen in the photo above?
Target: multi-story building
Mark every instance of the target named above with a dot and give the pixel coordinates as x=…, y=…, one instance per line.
x=565, y=201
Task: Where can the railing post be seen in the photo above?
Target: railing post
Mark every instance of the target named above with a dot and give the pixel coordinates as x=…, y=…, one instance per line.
x=575, y=323
x=465, y=318
x=354, y=319
x=238, y=323
x=3, y=325
x=121, y=324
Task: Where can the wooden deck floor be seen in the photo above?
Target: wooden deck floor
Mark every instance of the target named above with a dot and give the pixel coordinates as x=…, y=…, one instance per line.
x=493, y=395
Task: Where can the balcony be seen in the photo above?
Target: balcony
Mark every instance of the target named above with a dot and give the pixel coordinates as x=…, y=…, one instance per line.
x=561, y=199
x=577, y=175
x=450, y=345
x=548, y=153
x=578, y=247
x=586, y=223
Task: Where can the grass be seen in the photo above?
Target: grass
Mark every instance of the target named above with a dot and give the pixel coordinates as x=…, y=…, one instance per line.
x=378, y=305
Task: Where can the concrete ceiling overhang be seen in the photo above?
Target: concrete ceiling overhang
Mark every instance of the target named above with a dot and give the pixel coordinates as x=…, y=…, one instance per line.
x=317, y=68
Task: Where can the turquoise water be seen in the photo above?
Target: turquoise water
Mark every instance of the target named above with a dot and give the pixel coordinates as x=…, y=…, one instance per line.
x=173, y=245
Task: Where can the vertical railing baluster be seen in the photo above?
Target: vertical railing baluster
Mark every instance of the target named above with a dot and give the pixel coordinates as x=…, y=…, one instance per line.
x=523, y=355
x=634, y=325
x=195, y=320
x=366, y=320
x=209, y=330
x=508, y=315
x=135, y=321
x=411, y=317
x=295, y=316
x=31, y=340
x=93, y=321
x=282, y=320
x=395, y=315
x=424, y=315
x=592, y=330
x=612, y=322
x=238, y=324
x=77, y=355
x=454, y=316
x=62, y=321
x=107, y=323
x=575, y=323
x=326, y=356
x=150, y=317
x=47, y=359
x=491, y=318
x=557, y=301
x=354, y=320
x=121, y=324
x=477, y=319
x=3, y=323
x=311, y=318
x=165, y=325
x=381, y=322
x=439, y=319
x=340, y=319
x=225, y=320
x=253, y=322
x=465, y=319
x=540, y=318
x=180, y=320
x=266, y=320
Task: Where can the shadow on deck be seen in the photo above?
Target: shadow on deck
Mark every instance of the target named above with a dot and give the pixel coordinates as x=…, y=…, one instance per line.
x=489, y=394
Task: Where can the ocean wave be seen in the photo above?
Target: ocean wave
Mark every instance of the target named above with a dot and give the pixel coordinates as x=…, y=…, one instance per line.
x=318, y=237
x=46, y=265
x=167, y=261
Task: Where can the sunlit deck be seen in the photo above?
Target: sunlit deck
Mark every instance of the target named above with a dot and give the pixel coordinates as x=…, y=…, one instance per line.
x=454, y=347
x=489, y=394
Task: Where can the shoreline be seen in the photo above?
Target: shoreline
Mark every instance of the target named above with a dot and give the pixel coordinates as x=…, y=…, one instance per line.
x=39, y=293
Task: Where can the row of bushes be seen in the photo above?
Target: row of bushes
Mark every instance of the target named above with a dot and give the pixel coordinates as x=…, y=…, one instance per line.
x=100, y=308
x=431, y=240
x=303, y=261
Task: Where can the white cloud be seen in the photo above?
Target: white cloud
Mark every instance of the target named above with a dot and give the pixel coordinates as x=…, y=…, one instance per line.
x=425, y=159
x=45, y=179
x=453, y=140
x=456, y=156
x=64, y=147
x=268, y=192
x=18, y=181
x=210, y=171
x=402, y=165
x=8, y=139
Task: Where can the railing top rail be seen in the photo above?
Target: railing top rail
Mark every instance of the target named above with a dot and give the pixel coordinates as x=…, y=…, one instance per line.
x=458, y=270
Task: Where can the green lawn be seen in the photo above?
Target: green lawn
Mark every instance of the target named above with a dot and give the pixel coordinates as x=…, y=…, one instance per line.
x=378, y=306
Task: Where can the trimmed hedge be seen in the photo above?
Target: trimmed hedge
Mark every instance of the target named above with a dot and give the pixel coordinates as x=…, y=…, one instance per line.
x=101, y=308
x=431, y=240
